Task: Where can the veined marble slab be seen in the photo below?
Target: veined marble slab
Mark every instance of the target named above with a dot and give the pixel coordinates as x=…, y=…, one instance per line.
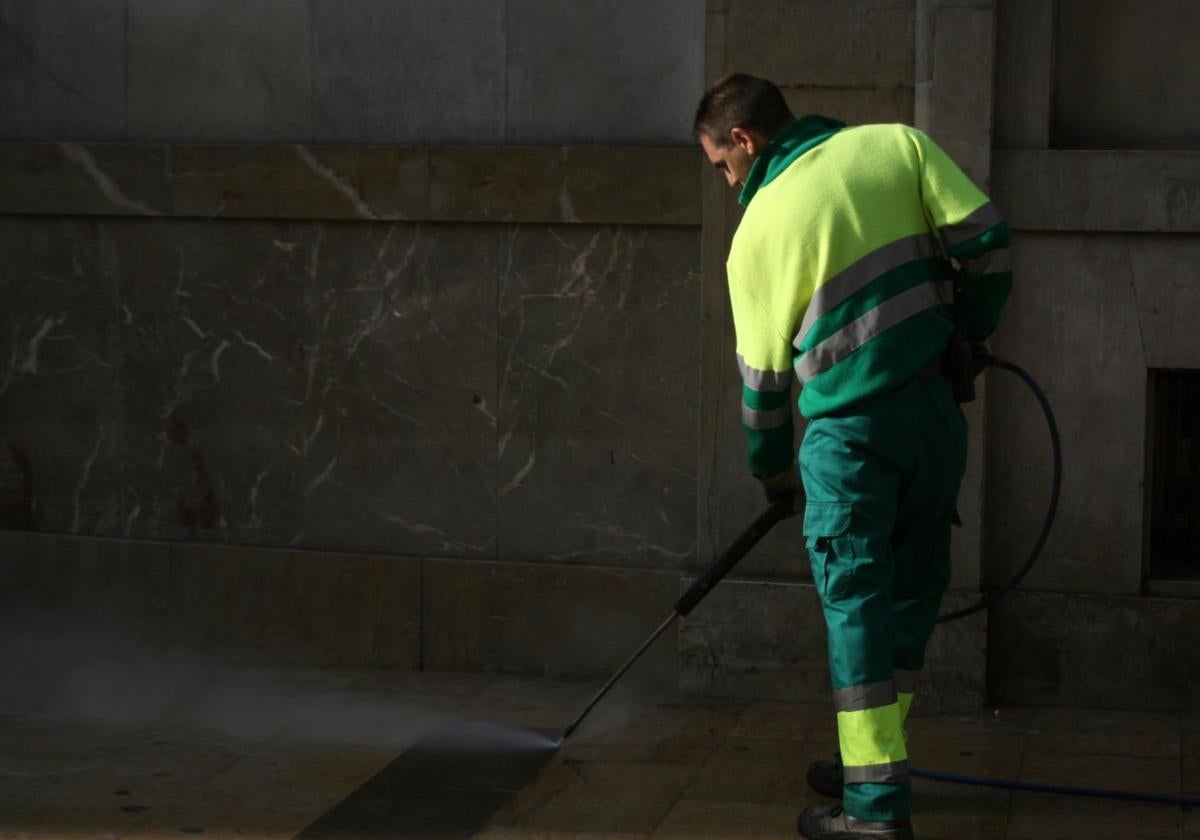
x=634, y=186
x=509, y=391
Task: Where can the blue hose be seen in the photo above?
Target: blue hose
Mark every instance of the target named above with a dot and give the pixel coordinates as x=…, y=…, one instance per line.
x=1101, y=793
x=1055, y=489
x=993, y=597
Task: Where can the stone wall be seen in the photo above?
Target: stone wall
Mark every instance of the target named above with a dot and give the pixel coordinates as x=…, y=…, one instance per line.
x=508, y=390
x=404, y=406
x=423, y=405
x=317, y=404
x=372, y=71
x=363, y=387
x=1107, y=263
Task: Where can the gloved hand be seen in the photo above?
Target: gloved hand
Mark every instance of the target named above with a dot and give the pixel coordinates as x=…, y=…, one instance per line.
x=784, y=484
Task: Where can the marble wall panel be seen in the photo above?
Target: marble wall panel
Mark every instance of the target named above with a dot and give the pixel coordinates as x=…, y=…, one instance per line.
x=535, y=184
x=300, y=182
x=118, y=598
x=118, y=588
x=1166, y=279
x=756, y=639
x=76, y=179
x=316, y=385
x=861, y=42
x=768, y=641
x=731, y=498
x=347, y=386
x=215, y=351
x=401, y=399
x=63, y=74
x=1073, y=323
x=409, y=72
x=1134, y=191
x=547, y=620
x=60, y=416
x=1123, y=77
x=529, y=185
x=1024, y=73
x=306, y=608
x=736, y=498
x=215, y=70
x=598, y=387
x=620, y=71
x=1064, y=649
x=853, y=105
x=955, y=74
x=371, y=71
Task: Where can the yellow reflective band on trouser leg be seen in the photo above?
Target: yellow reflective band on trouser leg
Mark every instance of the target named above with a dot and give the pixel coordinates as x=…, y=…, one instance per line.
x=872, y=742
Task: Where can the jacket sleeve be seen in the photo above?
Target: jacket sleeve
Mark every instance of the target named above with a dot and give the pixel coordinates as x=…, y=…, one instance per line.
x=765, y=361
x=974, y=234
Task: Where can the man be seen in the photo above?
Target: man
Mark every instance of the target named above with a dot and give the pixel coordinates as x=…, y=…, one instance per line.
x=841, y=272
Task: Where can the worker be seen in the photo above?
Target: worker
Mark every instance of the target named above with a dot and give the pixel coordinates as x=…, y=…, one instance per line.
x=859, y=262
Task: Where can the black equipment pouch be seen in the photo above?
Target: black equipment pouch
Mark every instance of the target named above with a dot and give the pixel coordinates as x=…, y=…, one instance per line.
x=960, y=367
x=960, y=362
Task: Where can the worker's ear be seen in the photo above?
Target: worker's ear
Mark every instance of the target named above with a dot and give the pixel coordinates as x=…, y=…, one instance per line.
x=745, y=140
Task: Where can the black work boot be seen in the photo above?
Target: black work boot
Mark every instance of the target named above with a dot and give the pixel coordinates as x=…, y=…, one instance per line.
x=830, y=822
x=825, y=777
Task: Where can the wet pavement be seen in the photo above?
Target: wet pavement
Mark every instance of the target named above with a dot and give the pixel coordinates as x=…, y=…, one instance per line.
x=324, y=754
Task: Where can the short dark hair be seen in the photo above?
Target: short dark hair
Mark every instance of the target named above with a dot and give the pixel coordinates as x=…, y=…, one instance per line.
x=741, y=101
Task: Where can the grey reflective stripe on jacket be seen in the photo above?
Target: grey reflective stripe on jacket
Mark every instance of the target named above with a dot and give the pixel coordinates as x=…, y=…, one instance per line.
x=856, y=277
x=868, y=325
x=979, y=222
x=771, y=418
x=764, y=380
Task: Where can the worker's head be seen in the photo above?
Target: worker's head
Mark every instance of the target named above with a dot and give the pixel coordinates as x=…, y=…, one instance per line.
x=736, y=119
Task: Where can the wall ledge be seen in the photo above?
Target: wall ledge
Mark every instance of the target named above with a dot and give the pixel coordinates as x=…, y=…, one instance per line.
x=1098, y=190
x=508, y=184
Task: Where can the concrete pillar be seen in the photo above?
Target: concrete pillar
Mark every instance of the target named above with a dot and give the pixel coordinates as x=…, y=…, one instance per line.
x=955, y=59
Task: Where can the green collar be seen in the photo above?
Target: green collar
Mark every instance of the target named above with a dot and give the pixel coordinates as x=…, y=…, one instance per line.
x=789, y=144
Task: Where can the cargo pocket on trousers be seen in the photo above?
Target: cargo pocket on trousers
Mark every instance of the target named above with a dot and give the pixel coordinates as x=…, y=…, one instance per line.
x=830, y=551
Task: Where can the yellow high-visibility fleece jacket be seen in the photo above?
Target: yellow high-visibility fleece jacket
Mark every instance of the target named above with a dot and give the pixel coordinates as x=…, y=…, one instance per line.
x=838, y=272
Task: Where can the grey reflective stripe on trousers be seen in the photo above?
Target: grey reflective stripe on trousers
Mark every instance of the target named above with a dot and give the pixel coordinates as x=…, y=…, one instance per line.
x=772, y=418
x=870, y=324
x=983, y=219
x=866, y=696
x=858, y=276
x=897, y=771
x=906, y=681
x=764, y=380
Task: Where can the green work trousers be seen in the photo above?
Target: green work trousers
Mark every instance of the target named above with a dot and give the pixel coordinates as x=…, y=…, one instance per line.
x=881, y=480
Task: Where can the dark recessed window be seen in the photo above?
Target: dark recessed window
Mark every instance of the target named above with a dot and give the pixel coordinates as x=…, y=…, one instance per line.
x=1174, y=474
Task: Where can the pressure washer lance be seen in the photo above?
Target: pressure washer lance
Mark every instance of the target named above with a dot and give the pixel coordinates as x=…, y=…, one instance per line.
x=779, y=509
x=782, y=508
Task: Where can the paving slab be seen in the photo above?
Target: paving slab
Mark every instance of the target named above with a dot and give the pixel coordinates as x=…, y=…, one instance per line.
x=334, y=754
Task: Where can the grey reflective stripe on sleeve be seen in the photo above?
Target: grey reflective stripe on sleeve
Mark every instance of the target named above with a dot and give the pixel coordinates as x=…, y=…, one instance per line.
x=769, y=419
x=764, y=380
x=866, y=696
x=896, y=771
x=985, y=218
x=870, y=324
x=906, y=681
x=857, y=276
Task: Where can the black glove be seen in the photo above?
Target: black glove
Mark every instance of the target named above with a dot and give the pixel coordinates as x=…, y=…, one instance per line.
x=785, y=484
